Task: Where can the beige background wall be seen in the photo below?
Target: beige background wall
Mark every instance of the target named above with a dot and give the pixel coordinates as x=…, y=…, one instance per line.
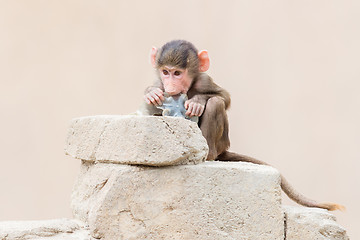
x=292, y=68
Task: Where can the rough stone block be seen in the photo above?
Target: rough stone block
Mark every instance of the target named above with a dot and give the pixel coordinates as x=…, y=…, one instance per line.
x=312, y=224
x=57, y=229
x=140, y=140
x=212, y=200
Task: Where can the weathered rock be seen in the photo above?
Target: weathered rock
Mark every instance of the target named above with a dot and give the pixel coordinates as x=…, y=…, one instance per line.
x=58, y=229
x=312, y=224
x=212, y=200
x=140, y=140
x=208, y=201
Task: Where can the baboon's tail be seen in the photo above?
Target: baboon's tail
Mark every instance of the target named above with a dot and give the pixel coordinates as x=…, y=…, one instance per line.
x=285, y=186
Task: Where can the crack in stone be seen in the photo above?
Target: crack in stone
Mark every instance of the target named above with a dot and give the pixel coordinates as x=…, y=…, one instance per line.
x=142, y=223
x=168, y=126
x=101, y=185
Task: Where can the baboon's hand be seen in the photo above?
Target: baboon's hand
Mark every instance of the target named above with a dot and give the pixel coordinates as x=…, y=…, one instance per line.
x=155, y=96
x=194, y=108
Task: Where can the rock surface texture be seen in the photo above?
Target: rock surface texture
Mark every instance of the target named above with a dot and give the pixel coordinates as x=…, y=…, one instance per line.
x=312, y=224
x=212, y=200
x=140, y=140
x=144, y=177
x=57, y=229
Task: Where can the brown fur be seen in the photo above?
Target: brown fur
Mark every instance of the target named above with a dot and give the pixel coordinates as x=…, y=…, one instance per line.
x=214, y=122
x=178, y=53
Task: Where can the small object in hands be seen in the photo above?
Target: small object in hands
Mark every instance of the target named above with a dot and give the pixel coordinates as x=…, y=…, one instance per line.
x=173, y=106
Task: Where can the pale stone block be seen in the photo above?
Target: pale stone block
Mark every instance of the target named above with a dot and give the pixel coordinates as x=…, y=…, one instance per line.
x=208, y=201
x=312, y=224
x=139, y=140
x=57, y=229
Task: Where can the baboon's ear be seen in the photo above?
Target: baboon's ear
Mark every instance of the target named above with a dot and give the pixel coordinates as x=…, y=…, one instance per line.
x=153, y=52
x=204, y=61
